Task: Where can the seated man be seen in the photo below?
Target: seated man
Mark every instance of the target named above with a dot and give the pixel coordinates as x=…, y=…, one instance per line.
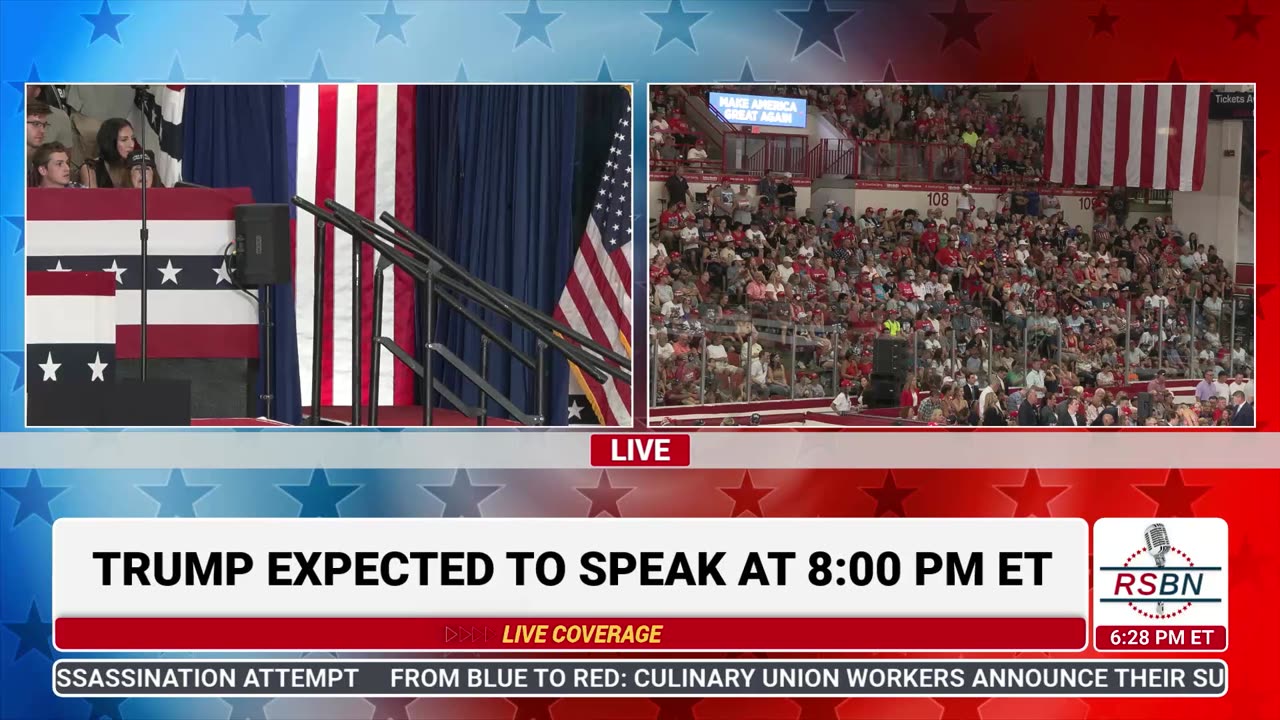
x=51, y=167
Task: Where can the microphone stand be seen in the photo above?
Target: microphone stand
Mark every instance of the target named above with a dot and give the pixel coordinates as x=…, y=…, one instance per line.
x=143, y=236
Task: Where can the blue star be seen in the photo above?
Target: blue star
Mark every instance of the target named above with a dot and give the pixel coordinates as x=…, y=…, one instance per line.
x=16, y=222
x=176, y=75
x=604, y=75
x=390, y=23
x=462, y=73
x=20, y=85
x=818, y=24
x=33, y=634
x=247, y=23
x=248, y=708
x=747, y=76
x=104, y=23
x=105, y=707
x=15, y=357
x=676, y=24
x=177, y=498
x=319, y=73
x=533, y=24
x=461, y=499
x=319, y=498
x=33, y=499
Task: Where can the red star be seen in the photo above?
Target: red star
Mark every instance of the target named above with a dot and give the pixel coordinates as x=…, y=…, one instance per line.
x=1246, y=22
x=961, y=25
x=533, y=708
x=675, y=708
x=818, y=708
x=1175, y=72
x=746, y=497
x=1174, y=498
x=1031, y=497
x=889, y=496
x=1263, y=291
x=1104, y=22
x=889, y=75
x=961, y=708
x=604, y=497
x=1033, y=75
x=1248, y=565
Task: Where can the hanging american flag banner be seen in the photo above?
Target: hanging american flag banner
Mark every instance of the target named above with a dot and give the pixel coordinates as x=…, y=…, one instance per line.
x=162, y=107
x=1147, y=136
x=597, y=296
x=355, y=144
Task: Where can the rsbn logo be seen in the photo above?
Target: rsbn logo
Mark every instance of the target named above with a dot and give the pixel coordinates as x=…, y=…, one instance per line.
x=1158, y=580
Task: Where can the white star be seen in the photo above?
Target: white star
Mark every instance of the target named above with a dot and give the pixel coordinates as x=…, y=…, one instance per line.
x=170, y=273
x=119, y=271
x=58, y=268
x=97, y=367
x=50, y=368
x=223, y=275
x=615, y=227
x=626, y=184
x=604, y=177
x=599, y=206
x=613, y=241
x=575, y=410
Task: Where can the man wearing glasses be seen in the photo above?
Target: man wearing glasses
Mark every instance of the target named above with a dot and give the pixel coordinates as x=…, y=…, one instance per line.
x=37, y=124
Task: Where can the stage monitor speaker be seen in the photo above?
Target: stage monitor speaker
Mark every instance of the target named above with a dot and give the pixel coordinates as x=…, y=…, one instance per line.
x=262, y=245
x=882, y=392
x=891, y=357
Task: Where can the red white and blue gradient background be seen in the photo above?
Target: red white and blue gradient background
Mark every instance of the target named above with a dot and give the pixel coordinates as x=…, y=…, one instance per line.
x=985, y=41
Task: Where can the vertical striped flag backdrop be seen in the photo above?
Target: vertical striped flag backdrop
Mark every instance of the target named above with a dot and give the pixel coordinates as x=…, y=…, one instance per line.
x=355, y=144
x=597, y=296
x=1147, y=136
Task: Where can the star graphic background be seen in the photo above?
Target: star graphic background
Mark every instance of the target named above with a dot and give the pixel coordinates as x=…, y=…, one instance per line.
x=818, y=24
x=390, y=23
x=33, y=499
x=105, y=23
x=318, y=497
x=176, y=498
x=533, y=23
x=34, y=634
x=961, y=24
x=676, y=24
x=248, y=23
x=461, y=499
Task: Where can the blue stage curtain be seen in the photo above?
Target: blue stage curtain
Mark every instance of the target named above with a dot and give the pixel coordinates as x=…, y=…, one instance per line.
x=236, y=136
x=495, y=193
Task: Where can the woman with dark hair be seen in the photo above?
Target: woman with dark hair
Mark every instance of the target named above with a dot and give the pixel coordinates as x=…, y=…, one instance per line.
x=108, y=170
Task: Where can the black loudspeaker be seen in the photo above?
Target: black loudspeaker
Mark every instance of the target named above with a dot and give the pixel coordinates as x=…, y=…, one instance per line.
x=1144, y=405
x=262, y=245
x=882, y=392
x=891, y=357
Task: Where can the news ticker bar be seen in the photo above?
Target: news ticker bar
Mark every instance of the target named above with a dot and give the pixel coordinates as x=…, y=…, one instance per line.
x=561, y=449
x=643, y=678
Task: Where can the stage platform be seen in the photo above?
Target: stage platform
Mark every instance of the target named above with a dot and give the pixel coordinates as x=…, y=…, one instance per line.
x=406, y=416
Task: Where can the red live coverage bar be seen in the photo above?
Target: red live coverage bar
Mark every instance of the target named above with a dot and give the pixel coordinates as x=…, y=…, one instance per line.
x=660, y=634
x=1175, y=637
x=639, y=450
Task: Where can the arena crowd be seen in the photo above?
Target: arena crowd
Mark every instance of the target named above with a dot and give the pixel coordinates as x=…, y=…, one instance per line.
x=1012, y=316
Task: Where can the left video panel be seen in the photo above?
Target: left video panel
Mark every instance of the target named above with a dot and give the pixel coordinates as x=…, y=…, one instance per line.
x=327, y=255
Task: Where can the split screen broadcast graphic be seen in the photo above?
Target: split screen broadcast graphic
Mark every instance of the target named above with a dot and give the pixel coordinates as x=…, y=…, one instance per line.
x=848, y=258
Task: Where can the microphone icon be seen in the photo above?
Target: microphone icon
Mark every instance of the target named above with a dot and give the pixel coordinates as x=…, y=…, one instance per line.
x=1157, y=539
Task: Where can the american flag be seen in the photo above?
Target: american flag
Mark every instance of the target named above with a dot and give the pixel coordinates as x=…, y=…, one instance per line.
x=355, y=144
x=597, y=296
x=1148, y=136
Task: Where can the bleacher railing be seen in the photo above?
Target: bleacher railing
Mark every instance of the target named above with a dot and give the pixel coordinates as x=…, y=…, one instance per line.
x=890, y=160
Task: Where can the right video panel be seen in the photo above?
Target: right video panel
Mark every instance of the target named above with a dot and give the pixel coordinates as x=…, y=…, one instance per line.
x=951, y=255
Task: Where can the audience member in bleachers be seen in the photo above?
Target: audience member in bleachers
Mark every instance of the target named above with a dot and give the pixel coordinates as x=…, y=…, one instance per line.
x=108, y=169
x=136, y=160
x=51, y=167
x=37, y=125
